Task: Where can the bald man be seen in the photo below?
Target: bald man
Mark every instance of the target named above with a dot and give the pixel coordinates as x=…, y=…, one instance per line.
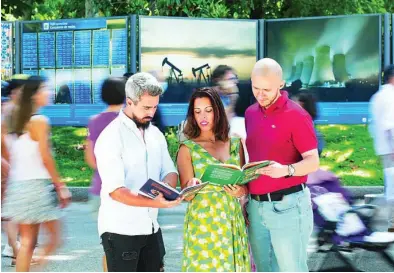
x=280, y=211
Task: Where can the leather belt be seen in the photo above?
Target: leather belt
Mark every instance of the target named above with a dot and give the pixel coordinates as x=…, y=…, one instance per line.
x=277, y=195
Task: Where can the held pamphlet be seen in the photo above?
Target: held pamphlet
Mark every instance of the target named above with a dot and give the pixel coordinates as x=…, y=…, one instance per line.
x=226, y=174
x=151, y=186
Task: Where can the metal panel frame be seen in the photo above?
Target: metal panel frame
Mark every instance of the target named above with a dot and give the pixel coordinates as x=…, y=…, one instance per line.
x=262, y=39
x=133, y=43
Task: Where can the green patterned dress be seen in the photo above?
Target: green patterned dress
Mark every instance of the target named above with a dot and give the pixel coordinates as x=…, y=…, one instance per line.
x=215, y=237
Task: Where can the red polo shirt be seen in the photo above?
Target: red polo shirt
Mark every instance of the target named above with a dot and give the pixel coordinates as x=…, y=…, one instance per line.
x=280, y=133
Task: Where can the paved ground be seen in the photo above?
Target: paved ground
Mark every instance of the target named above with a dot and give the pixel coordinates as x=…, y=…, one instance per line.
x=82, y=250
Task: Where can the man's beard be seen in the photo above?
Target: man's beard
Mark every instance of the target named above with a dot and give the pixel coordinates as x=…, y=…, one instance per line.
x=267, y=105
x=141, y=123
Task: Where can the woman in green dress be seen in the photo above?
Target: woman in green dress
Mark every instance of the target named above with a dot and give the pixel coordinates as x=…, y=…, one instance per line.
x=215, y=237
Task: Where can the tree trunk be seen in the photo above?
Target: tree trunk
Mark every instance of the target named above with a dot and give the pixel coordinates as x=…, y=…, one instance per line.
x=89, y=8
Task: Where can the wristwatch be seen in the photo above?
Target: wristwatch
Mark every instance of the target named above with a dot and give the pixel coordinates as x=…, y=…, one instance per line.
x=291, y=170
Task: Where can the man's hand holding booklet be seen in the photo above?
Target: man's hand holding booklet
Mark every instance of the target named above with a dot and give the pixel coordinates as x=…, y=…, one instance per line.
x=151, y=189
x=226, y=174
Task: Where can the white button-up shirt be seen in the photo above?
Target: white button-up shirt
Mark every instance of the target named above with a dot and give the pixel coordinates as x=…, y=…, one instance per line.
x=382, y=118
x=125, y=159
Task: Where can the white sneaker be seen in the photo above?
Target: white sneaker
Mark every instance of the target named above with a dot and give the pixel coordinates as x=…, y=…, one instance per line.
x=7, y=252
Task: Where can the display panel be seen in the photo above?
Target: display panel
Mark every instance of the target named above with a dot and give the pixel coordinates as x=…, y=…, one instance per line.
x=82, y=48
x=100, y=74
x=64, y=49
x=29, y=50
x=32, y=72
x=119, y=45
x=101, y=48
x=71, y=49
x=46, y=50
x=82, y=86
x=337, y=58
x=64, y=86
x=50, y=75
x=188, y=50
x=118, y=72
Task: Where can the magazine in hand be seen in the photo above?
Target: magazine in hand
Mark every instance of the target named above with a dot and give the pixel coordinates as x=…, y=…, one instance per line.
x=226, y=174
x=151, y=186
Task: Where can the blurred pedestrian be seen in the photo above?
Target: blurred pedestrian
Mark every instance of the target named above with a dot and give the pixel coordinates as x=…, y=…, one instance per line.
x=34, y=189
x=224, y=81
x=308, y=102
x=11, y=91
x=382, y=131
x=113, y=95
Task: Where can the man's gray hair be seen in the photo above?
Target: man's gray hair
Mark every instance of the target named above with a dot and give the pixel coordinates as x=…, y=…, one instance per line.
x=141, y=83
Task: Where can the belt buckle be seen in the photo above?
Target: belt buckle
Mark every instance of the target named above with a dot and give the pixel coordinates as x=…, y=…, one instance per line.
x=258, y=197
x=269, y=197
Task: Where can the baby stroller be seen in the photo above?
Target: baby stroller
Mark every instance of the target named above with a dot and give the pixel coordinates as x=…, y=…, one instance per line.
x=342, y=227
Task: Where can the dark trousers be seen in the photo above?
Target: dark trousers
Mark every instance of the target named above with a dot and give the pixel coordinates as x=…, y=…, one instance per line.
x=162, y=248
x=140, y=253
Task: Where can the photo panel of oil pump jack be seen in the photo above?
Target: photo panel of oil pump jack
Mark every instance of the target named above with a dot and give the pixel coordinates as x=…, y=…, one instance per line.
x=338, y=58
x=187, y=50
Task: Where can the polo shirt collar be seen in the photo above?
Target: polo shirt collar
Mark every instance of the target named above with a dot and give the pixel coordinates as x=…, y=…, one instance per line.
x=278, y=104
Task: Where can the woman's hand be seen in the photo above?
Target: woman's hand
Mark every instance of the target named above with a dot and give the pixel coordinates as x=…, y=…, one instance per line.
x=192, y=182
x=63, y=194
x=236, y=190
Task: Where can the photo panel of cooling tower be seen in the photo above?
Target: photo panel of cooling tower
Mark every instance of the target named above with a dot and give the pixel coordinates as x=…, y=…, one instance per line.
x=337, y=58
x=185, y=51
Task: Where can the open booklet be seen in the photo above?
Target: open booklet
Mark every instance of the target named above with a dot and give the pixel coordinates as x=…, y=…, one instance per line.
x=226, y=174
x=151, y=186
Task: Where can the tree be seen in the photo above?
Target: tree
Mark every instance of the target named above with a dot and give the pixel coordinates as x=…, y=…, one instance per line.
x=249, y=9
x=89, y=8
x=17, y=9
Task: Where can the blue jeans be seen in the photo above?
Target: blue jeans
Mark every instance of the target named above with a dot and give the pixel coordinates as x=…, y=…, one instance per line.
x=279, y=232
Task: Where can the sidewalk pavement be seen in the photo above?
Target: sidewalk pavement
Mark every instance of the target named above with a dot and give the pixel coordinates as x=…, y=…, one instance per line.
x=82, y=251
